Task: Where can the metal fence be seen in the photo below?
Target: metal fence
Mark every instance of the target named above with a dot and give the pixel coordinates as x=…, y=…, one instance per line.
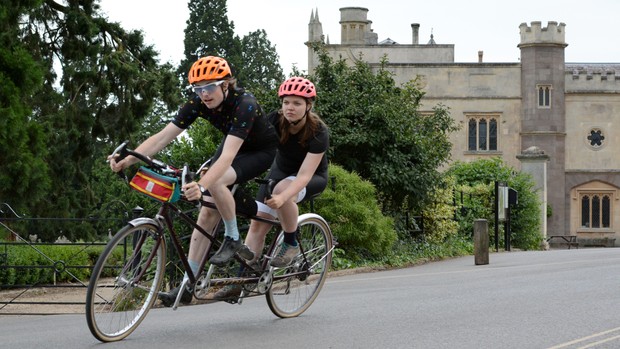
x=56, y=280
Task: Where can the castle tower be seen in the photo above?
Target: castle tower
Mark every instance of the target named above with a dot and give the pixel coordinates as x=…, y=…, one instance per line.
x=543, y=109
x=355, y=28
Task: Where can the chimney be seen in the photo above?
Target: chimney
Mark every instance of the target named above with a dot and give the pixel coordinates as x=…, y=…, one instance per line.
x=415, y=28
x=480, y=56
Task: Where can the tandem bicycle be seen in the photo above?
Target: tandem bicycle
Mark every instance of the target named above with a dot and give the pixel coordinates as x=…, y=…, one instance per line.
x=121, y=291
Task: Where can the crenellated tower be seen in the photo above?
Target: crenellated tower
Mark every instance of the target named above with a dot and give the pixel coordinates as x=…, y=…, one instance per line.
x=543, y=112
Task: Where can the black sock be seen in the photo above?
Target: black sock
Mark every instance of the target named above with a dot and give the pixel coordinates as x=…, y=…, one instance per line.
x=290, y=238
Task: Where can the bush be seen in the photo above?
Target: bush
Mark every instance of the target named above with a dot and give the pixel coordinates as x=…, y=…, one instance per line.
x=477, y=181
x=350, y=206
x=73, y=263
x=439, y=223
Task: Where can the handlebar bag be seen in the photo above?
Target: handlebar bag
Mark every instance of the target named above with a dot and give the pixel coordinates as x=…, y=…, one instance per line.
x=159, y=187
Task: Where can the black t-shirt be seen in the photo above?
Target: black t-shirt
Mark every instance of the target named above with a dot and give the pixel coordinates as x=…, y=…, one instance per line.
x=291, y=155
x=241, y=116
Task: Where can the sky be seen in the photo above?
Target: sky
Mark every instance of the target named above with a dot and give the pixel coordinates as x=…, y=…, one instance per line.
x=491, y=26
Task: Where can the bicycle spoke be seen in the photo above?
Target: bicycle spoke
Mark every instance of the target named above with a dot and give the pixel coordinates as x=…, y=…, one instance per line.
x=115, y=305
x=295, y=287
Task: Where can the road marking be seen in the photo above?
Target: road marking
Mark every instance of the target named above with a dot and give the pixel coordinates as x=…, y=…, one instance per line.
x=583, y=339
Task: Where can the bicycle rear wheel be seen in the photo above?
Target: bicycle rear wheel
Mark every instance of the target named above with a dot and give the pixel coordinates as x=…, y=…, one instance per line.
x=125, y=282
x=290, y=296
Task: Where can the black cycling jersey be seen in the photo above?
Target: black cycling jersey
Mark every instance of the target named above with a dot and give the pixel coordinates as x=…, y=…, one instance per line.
x=291, y=155
x=241, y=116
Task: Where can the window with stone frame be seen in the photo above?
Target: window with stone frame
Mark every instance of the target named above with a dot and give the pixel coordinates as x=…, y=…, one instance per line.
x=544, y=96
x=596, y=209
x=595, y=138
x=482, y=132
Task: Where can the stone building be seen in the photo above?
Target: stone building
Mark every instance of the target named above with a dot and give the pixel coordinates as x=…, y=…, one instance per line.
x=566, y=112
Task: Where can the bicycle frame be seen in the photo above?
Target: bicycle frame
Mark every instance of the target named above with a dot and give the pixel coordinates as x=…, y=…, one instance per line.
x=167, y=219
x=118, y=299
x=165, y=216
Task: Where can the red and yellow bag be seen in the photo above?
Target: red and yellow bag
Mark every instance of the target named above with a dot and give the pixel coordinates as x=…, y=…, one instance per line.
x=159, y=187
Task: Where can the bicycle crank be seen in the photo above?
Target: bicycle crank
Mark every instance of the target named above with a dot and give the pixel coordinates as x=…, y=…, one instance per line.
x=203, y=284
x=265, y=281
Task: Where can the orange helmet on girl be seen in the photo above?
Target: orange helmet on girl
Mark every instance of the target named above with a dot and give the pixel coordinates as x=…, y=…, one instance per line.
x=297, y=86
x=209, y=68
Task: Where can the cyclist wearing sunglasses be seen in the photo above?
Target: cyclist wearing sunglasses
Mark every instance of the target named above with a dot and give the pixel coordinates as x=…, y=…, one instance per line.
x=246, y=151
x=300, y=170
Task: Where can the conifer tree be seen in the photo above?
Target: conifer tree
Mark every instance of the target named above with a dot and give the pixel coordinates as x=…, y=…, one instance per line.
x=79, y=85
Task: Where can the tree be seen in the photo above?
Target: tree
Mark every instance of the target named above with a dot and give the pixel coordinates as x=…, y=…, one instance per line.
x=23, y=178
x=260, y=62
x=261, y=73
x=209, y=33
x=377, y=131
x=87, y=84
x=253, y=59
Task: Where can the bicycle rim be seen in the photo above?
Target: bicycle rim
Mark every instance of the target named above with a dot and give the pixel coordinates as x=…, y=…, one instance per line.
x=291, y=296
x=122, y=290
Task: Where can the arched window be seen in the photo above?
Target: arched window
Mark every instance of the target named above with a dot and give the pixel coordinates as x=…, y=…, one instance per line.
x=482, y=133
x=544, y=96
x=493, y=134
x=472, y=132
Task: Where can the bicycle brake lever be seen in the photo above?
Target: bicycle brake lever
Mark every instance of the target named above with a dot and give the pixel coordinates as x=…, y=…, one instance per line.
x=118, y=149
x=185, y=176
x=204, y=167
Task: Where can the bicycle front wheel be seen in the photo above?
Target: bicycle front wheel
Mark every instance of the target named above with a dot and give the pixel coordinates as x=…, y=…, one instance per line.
x=295, y=287
x=125, y=282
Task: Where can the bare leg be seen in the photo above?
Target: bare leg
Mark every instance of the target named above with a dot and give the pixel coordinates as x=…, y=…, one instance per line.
x=225, y=203
x=222, y=196
x=288, y=212
x=255, y=239
x=207, y=219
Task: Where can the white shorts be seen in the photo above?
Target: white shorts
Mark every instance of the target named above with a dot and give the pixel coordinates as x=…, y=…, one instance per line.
x=273, y=212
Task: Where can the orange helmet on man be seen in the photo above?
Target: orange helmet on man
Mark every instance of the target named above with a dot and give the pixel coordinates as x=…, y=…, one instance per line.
x=209, y=68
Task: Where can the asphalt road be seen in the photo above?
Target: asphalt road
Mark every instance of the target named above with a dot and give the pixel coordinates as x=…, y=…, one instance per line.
x=542, y=299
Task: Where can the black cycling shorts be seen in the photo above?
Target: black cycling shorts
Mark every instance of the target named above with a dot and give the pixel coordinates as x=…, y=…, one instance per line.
x=249, y=164
x=317, y=183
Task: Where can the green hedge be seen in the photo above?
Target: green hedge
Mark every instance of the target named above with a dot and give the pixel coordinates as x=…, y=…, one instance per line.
x=73, y=262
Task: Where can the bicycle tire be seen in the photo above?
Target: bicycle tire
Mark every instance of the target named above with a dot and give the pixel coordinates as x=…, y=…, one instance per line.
x=291, y=296
x=116, y=302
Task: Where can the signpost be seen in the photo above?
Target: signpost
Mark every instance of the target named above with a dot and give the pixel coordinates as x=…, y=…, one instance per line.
x=504, y=198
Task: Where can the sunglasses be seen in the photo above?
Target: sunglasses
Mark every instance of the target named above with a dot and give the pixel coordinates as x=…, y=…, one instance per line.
x=208, y=88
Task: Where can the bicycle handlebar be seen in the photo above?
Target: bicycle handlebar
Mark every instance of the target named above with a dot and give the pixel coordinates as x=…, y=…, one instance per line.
x=122, y=152
x=186, y=175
